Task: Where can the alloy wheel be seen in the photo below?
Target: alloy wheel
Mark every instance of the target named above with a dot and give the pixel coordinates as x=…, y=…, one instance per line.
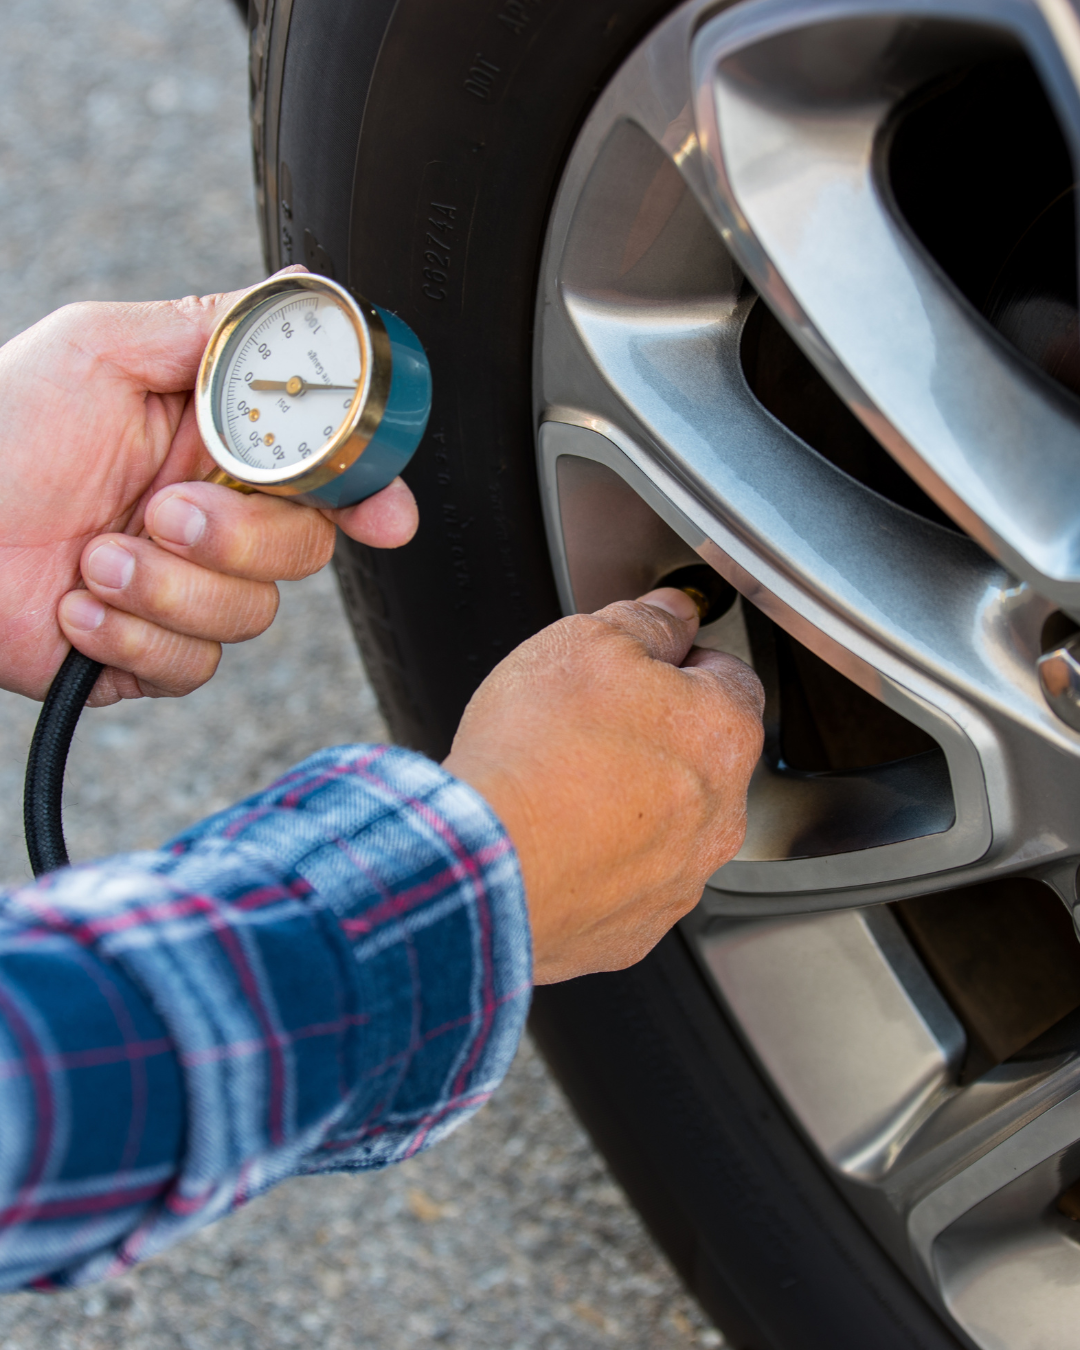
x=780, y=331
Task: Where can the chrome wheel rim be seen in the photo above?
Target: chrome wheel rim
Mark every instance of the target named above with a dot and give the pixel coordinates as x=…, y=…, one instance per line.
x=734, y=161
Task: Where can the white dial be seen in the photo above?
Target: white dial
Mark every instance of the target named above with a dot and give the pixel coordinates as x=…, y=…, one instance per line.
x=290, y=377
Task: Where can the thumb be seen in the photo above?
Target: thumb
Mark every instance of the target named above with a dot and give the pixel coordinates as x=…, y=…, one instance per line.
x=664, y=622
x=739, y=680
x=160, y=343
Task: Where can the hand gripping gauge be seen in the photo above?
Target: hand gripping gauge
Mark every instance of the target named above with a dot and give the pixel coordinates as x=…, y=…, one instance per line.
x=303, y=392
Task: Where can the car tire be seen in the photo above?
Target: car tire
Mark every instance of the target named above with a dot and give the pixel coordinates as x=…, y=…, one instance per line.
x=412, y=151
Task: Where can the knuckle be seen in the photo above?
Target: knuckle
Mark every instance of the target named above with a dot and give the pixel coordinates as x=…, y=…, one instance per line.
x=738, y=696
x=167, y=594
x=632, y=616
x=76, y=317
x=192, y=308
x=304, y=550
x=124, y=685
x=594, y=637
x=581, y=627
x=130, y=640
x=253, y=611
x=620, y=609
x=177, y=667
x=741, y=708
x=275, y=541
x=572, y=641
x=237, y=547
x=752, y=732
x=324, y=545
x=198, y=661
x=202, y=668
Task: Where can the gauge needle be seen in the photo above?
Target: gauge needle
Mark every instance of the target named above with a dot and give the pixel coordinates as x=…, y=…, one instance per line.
x=295, y=385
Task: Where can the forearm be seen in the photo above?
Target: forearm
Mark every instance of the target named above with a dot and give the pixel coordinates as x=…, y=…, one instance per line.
x=332, y=974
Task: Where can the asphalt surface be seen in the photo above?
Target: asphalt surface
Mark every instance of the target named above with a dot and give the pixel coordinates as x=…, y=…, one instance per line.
x=125, y=174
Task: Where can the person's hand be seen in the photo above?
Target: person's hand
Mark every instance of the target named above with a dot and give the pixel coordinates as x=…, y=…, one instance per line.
x=99, y=443
x=618, y=759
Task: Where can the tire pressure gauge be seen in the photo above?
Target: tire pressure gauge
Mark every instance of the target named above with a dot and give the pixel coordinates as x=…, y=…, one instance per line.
x=307, y=392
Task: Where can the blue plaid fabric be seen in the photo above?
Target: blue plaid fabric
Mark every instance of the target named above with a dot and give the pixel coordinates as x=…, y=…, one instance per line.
x=332, y=975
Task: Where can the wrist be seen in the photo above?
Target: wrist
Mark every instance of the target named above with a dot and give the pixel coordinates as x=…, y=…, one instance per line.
x=516, y=810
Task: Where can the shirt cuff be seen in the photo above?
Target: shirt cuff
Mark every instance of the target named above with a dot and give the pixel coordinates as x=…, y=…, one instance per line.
x=342, y=962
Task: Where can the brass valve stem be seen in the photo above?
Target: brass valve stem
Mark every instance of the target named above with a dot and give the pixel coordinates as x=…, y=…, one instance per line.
x=700, y=599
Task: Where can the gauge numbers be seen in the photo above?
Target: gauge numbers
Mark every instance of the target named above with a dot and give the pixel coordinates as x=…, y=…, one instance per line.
x=289, y=381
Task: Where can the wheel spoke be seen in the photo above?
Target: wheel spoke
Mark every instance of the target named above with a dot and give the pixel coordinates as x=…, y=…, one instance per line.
x=797, y=172
x=969, y=1176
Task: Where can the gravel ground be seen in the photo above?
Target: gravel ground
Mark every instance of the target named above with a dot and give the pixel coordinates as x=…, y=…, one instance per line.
x=125, y=173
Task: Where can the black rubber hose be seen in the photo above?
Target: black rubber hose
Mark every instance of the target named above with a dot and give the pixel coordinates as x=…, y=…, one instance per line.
x=44, y=787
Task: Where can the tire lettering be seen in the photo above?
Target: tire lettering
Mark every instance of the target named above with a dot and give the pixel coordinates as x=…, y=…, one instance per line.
x=435, y=258
x=481, y=77
x=442, y=458
x=515, y=15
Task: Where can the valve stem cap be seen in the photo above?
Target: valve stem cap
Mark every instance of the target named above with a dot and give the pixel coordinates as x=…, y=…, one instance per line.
x=1059, y=675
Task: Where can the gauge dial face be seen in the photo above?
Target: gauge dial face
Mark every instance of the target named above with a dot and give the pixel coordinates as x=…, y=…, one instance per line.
x=289, y=380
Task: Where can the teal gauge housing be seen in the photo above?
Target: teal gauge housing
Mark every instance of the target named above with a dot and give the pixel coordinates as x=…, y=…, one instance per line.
x=400, y=428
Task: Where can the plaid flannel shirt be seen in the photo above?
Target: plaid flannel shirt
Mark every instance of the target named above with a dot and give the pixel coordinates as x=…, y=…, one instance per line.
x=331, y=975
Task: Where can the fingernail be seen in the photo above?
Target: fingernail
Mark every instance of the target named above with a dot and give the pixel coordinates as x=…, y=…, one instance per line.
x=177, y=521
x=671, y=601
x=83, y=611
x=110, y=565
